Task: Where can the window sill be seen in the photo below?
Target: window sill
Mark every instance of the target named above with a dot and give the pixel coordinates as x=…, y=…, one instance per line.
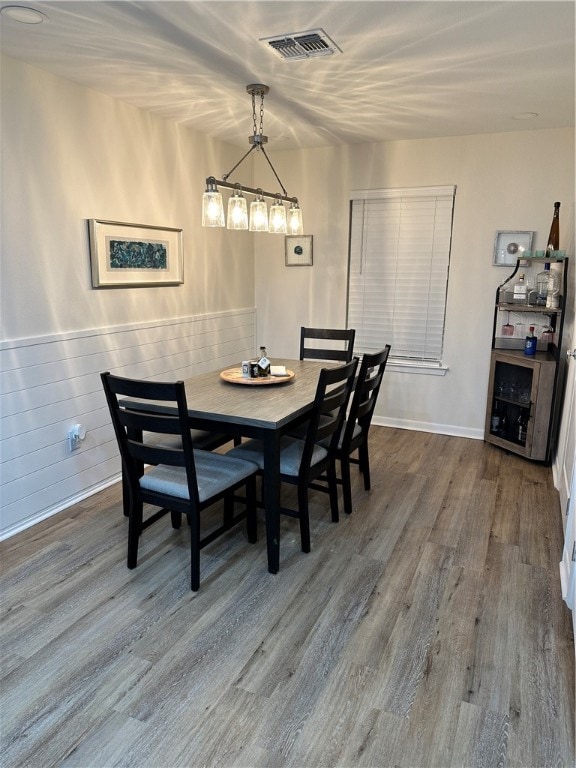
x=428, y=369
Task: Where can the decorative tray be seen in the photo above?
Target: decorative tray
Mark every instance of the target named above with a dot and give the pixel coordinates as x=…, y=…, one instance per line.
x=234, y=376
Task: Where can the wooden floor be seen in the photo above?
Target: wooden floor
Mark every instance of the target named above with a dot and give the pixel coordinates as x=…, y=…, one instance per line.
x=425, y=630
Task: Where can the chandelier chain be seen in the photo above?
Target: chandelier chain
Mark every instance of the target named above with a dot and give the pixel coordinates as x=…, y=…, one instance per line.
x=254, y=114
x=254, y=127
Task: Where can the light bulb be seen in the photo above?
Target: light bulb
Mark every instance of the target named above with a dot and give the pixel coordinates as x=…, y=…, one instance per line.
x=277, y=222
x=258, y=215
x=237, y=212
x=212, y=209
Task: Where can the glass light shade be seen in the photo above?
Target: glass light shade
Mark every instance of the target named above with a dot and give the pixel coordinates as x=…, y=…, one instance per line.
x=258, y=216
x=237, y=212
x=277, y=221
x=212, y=209
x=295, y=226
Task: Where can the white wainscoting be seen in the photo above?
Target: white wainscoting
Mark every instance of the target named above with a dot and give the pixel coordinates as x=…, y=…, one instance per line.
x=50, y=383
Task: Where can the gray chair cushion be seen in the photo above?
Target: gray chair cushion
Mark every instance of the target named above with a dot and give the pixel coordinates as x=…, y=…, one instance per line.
x=214, y=473
x=290, y=454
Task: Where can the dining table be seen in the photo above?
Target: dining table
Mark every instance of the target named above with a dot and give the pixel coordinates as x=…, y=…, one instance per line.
x=220, y=401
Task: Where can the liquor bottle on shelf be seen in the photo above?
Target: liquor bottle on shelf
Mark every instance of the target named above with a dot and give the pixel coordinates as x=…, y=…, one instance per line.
x=553, y=290
x=554, y=236
x=520, y=291
x=495, y=420
x=530, y=343
x=542, y=285
x=520, y=428
x=263, y=363
x=503, y=426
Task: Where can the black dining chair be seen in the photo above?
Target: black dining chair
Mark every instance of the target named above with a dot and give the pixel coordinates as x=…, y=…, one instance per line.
x=181, y=479
x=327, y=344
x=302, y=461
x=354, y=436
x=207, y=441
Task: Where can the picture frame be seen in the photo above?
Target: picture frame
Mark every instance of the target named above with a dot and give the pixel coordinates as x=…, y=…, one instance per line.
x=134, y=255
x=298, y=250
x=509, y=246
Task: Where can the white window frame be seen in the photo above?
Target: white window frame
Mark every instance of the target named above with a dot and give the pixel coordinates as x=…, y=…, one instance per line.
x=387, y=227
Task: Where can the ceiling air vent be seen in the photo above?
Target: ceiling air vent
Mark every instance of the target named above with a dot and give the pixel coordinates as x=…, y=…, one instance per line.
x=302, y=45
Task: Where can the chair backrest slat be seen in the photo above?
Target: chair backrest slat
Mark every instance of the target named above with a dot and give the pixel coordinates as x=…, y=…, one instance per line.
x=366, y=393
x=341, y=353
x=330, y=404
x=131, y=424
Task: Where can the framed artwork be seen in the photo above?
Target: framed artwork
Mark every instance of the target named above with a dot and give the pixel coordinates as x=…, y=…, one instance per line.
x=298, y=250
x=509, y=246
x=130, y=255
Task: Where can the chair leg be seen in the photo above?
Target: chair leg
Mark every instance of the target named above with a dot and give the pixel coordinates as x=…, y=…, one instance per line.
x=176, y=518
x=304, y=518
x=251, y=520
x=228, y=510
x=346, y=484
x=194, y=522
x=365, y=463
x=134, y=531
x=125, y=494
x=333, y=491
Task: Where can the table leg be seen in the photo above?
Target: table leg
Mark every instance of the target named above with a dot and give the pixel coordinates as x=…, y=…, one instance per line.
x=271, y=486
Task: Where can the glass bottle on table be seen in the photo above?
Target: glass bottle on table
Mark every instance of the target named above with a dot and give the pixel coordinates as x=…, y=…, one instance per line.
x=263, y=363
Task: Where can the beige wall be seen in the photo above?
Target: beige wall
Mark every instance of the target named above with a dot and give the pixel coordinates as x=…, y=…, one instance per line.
x=70, y=154
x=504, y=182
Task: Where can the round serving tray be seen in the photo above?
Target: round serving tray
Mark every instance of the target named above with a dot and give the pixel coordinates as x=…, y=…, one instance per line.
x=234, y=376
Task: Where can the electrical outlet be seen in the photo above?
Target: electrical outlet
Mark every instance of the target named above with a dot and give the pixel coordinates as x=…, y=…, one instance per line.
x=76, y=434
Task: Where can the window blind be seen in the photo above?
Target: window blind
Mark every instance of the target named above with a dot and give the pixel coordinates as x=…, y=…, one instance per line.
x=398, y=270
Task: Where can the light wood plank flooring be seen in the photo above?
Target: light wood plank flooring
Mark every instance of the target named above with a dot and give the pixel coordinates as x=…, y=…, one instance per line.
x=425, y=630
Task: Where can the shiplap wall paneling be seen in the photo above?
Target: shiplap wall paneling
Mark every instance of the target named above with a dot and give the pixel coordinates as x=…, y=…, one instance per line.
x=50, y=383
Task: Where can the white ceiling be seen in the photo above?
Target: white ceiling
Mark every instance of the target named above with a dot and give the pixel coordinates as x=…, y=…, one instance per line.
x=408, y=69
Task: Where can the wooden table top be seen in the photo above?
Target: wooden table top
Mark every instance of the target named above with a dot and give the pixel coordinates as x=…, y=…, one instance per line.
x=209, y=397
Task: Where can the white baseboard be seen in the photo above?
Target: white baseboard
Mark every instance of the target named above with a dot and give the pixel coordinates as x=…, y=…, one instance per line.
x=437, y=429
x=22, y=525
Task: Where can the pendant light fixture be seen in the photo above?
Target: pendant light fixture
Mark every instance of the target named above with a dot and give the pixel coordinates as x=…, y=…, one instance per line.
x=237, y=210
x=259, y=221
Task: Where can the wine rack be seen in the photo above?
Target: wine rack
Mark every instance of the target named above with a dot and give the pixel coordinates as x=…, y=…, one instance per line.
x=521, y=410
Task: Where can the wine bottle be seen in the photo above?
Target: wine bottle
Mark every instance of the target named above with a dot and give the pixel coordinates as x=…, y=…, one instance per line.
x=554, y=236
x=521, y=428
x=495, y=420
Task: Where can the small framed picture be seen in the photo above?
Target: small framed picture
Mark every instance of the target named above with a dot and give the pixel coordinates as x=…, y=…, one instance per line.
x=509, y=246
x=298, y=250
